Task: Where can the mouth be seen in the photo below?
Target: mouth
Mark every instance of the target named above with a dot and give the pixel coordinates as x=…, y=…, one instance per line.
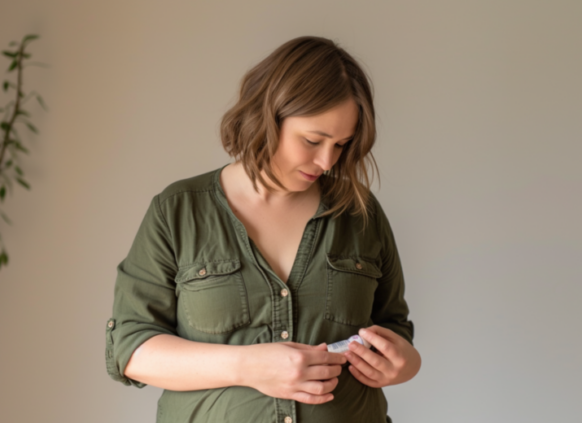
x=309, y=177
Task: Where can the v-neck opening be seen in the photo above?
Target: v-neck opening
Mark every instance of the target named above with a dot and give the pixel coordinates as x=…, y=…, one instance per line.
x=259, y=257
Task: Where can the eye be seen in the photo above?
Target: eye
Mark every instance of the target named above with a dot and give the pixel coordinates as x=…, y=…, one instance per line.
x=344, y=144
x=311, y=142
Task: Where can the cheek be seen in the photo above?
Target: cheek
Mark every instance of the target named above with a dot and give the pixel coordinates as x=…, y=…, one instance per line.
x=294, y=154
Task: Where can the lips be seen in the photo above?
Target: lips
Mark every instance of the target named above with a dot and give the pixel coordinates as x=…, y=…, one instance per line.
x=309, y=176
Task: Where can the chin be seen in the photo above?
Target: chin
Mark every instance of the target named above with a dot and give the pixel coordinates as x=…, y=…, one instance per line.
x=301, y=186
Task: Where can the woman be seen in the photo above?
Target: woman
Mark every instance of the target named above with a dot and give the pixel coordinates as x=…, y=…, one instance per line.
x=238, y=278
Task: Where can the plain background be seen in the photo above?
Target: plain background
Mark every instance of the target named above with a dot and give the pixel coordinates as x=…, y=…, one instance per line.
x=479, y=110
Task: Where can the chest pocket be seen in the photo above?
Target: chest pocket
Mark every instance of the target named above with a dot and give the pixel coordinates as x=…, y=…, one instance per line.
x=351, y=283
x=213, y=296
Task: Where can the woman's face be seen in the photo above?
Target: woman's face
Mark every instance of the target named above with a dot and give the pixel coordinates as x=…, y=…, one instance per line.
x=310, y=145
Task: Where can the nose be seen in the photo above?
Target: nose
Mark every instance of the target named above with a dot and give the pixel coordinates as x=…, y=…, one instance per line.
x=325, y=158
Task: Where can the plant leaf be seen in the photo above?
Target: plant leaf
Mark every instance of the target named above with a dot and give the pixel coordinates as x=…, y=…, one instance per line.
x=13, y=66
x=23, y=112
x=3, y=258
x=8, y=182
x=6, y=85
x=5, y=218
x=20, y=147
x=30, y=37
x=18, y=170
x=8, y=164
x=41, y=102
x=4, y=126
x=13, y=43
x=12, y=55
x=23, y=183
x=2, y=193
x=31, y=127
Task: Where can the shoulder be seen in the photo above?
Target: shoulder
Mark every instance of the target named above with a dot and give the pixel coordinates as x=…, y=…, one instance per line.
x=378, y=220
x=374, y=218
x=184, y=187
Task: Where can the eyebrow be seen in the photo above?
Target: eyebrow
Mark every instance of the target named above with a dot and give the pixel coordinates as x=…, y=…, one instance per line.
x=329, y=136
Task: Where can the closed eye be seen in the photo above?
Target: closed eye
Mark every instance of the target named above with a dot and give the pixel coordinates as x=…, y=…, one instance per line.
x=336, y=146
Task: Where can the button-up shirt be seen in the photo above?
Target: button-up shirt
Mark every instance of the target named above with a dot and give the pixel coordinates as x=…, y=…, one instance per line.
x=193, y=272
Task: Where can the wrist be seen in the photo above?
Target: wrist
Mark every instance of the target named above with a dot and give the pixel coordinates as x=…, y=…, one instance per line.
x=243, y=362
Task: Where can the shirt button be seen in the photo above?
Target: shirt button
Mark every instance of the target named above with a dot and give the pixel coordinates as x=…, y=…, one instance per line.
x=110, y=324
x=288, y=419
x=202, y=272
x=284, y=334
x=358, y=266
x=284, y=292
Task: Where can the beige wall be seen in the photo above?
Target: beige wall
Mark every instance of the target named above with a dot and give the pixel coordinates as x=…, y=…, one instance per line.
x=480, y=125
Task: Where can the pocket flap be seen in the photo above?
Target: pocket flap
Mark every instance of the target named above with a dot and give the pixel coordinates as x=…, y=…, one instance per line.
x=202, y=270
x=355, y=265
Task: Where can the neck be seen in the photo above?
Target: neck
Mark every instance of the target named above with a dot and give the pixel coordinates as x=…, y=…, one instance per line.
x=274, y=196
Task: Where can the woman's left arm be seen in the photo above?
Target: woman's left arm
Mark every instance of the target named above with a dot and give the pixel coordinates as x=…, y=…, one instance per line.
x=395, y=360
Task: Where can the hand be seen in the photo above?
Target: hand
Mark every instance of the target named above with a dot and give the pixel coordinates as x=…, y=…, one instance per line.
x=293, y=371
x=396, y=360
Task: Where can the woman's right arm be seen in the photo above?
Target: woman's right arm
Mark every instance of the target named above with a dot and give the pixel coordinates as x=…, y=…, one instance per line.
x=143, y=347
x=284, y=370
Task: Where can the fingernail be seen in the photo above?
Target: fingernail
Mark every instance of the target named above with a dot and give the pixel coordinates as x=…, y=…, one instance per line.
x=363, y=331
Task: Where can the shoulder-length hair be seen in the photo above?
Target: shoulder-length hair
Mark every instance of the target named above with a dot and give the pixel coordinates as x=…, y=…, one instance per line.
x=303, y=77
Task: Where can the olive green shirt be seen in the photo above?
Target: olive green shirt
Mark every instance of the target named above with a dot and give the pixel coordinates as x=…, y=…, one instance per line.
x=192, y=271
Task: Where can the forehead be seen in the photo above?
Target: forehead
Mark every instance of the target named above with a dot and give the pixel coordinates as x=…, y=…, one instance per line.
x=338, y=122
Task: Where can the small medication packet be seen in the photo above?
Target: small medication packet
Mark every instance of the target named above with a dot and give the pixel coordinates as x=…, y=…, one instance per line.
x=342, y=346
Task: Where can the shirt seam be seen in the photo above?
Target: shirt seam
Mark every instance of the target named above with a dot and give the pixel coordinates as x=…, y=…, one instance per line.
x=185, y=191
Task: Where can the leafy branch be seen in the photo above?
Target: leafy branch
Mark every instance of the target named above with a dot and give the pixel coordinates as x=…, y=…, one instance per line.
x=14, y=113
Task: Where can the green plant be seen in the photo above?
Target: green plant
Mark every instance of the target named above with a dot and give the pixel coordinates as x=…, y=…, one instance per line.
x=14, y=113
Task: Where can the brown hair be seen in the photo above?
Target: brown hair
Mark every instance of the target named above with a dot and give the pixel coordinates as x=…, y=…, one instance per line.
x=303, y=77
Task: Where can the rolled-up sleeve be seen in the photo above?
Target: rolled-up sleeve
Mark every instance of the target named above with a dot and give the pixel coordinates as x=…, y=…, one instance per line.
x=145, y=299
x=390, y=309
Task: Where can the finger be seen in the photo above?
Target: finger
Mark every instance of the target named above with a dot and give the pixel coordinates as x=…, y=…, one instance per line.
x=375, y=360
x=306, y=398
x=319, y=387
x=363, y=378
x=385, y=346
x=384, y=332
x=322, y=372
x=324, y=357
x=321, y=347
x=363, y=366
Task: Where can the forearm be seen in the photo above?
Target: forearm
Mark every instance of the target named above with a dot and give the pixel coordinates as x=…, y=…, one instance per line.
x=174, y=363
